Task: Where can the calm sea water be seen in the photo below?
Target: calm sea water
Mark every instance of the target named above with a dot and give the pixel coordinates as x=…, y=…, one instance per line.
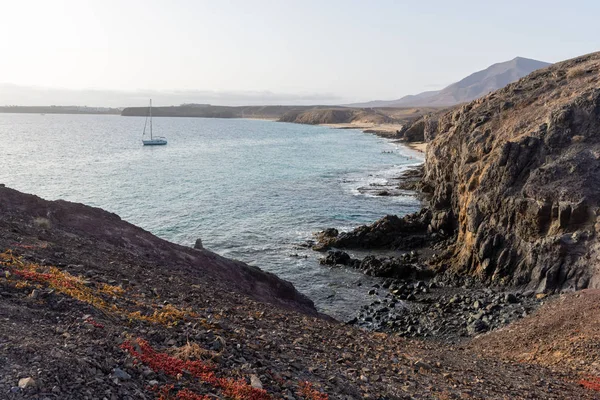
x=252, y=190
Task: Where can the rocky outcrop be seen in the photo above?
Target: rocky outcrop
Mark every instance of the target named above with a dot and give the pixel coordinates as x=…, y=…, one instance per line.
x=430, y=127
x=413, y=132
x=516, y=176
x=406, y=266
x=390, y=232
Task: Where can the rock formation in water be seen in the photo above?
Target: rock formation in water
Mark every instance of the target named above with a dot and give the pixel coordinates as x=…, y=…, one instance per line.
x=390, y=232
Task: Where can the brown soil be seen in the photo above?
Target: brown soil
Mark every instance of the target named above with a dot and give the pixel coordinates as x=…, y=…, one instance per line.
x=563, y=335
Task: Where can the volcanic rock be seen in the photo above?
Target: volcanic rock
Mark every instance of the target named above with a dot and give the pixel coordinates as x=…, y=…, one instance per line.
x=516, y=176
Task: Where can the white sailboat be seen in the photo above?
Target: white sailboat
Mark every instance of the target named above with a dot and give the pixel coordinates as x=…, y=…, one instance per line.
x=154, y=140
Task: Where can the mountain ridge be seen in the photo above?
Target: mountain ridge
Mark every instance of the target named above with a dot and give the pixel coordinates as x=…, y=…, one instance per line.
x=474, y=86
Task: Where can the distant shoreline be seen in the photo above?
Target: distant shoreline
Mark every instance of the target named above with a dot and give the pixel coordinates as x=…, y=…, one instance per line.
x=59, y=110
x=386, y=130
x=382, y=130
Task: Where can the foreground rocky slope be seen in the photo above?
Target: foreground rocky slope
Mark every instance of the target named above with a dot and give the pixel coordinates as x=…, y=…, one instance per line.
x=563, y=335
x=516, y=175
x=95, y=308
x=106, y=232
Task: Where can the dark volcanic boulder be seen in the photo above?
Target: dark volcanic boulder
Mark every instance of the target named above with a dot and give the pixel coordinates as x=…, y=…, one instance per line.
x=387, y=267
x=336, y=258
x=391, y=232
x=516, y=175
x=325, y=239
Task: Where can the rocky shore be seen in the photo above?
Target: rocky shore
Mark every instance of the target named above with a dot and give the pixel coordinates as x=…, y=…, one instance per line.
x=476, y=296
x=411, y=300
x=510, y=183
x=509, y=218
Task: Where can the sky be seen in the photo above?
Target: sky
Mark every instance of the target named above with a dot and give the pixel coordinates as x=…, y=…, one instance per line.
x=118, y=52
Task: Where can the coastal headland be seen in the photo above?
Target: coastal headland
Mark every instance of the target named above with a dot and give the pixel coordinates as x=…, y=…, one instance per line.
x=510, y=191
x=490, y=291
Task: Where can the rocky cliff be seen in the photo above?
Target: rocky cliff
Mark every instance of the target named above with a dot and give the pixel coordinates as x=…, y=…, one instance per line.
x=516, y=175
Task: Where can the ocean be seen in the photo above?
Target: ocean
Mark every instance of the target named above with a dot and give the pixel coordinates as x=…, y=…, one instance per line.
x=252, y=190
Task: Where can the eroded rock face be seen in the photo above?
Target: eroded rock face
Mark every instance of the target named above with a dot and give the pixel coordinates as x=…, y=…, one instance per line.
x=516, y=175
x=413, y=132
x=430, y=127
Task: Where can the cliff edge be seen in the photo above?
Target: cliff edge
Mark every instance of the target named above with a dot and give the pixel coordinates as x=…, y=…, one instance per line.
x=516, y=175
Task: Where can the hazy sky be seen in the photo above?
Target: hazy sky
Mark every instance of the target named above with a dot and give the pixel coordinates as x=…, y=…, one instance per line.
x=322, y=51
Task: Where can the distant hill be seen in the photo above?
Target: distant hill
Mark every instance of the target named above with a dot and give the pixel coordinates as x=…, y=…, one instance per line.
x=340, y=115
x=210, y=111
x=470, y=88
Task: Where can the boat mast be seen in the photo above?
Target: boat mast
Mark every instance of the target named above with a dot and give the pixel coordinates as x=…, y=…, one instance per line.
x=150, y=119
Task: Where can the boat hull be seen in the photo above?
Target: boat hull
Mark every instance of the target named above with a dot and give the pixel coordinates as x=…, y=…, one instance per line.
x=154, y=142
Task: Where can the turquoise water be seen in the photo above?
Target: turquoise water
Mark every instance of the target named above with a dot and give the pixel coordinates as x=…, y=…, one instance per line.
x=252, y=190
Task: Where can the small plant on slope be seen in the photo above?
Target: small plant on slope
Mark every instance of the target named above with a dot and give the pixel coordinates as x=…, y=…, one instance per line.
x=309, y=393
x=175, y=367
x=592, y=383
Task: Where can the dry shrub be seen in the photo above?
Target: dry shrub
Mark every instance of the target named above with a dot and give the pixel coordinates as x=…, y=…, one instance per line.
x=192, y=351
x=78, y=289
x=205, y=372
x=576, y=73
x=306, y=391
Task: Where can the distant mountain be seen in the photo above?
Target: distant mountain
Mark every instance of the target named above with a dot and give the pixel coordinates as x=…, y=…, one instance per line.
x=470, y=88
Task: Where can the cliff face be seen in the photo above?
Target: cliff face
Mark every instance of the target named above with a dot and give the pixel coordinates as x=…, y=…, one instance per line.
x=517, y=176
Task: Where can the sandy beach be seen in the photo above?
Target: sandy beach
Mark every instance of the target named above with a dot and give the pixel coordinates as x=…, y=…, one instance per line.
x=383, y=130
x=418, y=146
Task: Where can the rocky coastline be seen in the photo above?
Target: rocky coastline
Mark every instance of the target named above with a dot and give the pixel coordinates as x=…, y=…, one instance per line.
x=510, y=205
x=490, y=292
x=99, y=308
